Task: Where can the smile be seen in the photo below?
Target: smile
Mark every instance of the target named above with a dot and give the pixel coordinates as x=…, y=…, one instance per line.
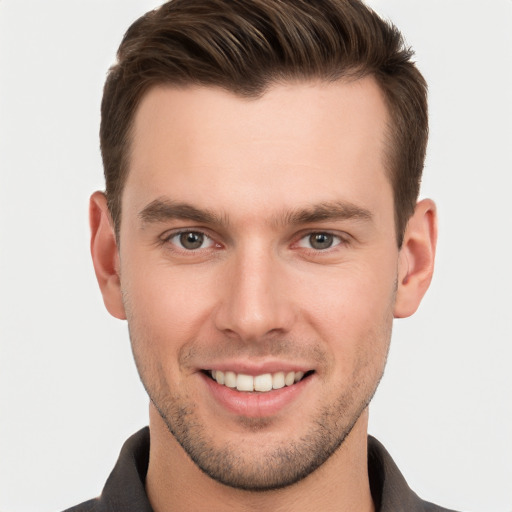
x=261, y=383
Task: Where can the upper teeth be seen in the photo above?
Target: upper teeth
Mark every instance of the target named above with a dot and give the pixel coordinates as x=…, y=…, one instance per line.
x=264, y=382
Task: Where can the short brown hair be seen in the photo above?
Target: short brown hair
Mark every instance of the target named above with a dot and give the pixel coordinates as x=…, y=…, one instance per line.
x=245, y=46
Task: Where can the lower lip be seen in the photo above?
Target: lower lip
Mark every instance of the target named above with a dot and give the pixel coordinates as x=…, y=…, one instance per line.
x=256, y=405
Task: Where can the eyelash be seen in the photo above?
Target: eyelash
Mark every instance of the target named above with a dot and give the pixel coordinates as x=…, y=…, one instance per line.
x=339, y=240
x=167, y=239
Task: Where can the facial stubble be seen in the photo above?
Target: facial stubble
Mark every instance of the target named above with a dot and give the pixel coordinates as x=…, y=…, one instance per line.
x=284, y=463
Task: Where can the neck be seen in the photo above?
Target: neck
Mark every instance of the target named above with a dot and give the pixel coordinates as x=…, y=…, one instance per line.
x=175, y=483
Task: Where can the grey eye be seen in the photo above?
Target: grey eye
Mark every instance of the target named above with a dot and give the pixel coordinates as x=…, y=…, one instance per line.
x=191, y=240
x=321, y=241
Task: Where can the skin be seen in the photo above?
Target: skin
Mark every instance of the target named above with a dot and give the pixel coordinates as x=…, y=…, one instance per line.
x=257, y=177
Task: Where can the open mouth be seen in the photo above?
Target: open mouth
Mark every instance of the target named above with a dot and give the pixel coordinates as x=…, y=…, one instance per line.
x=260, y=383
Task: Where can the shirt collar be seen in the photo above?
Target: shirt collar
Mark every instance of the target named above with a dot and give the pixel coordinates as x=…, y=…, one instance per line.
x=124, y=489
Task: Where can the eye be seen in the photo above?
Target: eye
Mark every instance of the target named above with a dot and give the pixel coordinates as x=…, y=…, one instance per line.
x=191, y=240
x=320, y=241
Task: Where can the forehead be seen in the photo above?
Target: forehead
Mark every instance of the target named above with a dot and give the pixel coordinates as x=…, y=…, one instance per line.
x=295, y=142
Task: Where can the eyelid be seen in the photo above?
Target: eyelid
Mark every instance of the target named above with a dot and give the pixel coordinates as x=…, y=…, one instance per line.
x=343, y=239
x=166, y=238
x=169, y=233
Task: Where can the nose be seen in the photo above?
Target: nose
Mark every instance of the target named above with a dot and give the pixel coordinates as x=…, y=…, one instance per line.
x=254, y=300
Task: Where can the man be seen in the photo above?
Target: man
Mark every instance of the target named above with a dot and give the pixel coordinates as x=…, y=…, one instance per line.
x=259, y=232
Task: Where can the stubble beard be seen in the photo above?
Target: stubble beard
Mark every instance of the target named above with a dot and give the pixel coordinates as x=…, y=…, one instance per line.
x=278, y=465
x=272, y=468
x=286, y=462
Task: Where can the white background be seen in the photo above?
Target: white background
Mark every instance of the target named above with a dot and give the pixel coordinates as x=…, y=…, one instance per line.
x=69, y=393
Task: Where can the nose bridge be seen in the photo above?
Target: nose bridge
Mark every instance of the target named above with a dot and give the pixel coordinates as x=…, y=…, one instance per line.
x=254, y=302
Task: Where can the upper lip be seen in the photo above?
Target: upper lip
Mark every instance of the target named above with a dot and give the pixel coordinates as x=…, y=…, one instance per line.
x=251, y=368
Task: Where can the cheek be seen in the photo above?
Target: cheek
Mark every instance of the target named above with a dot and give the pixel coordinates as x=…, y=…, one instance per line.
x=166, y=307
x=354, y=317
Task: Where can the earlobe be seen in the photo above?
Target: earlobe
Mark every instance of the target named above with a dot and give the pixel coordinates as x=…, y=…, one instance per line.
x=105, y=254
x=416, y=259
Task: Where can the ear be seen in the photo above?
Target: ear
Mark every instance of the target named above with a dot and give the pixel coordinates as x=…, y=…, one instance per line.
x=105, y=255
x=416, y=258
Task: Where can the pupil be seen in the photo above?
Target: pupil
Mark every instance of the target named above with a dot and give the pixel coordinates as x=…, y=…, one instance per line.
x=191, y=240
x=321, y=240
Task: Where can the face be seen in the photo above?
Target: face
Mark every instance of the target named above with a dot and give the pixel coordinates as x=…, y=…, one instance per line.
x=258, y=270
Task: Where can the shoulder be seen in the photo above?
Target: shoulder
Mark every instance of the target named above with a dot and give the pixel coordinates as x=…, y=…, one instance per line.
x=86, y=506
x=390, y=490
x=124, y=489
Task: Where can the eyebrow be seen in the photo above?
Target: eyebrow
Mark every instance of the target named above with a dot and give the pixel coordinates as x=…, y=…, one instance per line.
x=164, y=209
x=330, y=210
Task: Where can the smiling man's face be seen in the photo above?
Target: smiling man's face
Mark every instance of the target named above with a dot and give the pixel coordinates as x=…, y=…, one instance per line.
x=258, y=251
